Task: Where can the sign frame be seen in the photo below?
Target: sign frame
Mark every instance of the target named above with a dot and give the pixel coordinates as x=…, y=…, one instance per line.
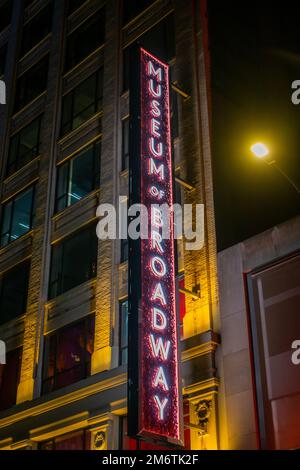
x=141, y=423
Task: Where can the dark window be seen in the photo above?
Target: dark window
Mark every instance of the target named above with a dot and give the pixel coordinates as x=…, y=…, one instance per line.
x=124, y=250
x=174, y=109
x=125, y=144
x=13, y=292
x=78, y=440
x=85, y=39
x=68, y=355
x=123, y=358
x=132, y=8
x=73, y=261
x=17, y=216
x=74, y=5
x=78, y=176
x=27, y=3
x=24, y=146
x=3, y=52
x=37, y=29
x=9, y=379
x=5, y=14
x=159, y=40
x=31, y=84
x=82, y=103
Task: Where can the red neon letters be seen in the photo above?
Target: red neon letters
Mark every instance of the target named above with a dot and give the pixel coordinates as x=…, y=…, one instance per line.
x=159, y=414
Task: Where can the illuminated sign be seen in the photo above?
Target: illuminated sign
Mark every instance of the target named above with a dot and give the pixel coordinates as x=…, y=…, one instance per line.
x=157, y=394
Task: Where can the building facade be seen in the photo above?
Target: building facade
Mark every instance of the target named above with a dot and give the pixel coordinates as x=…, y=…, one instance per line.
x=64, y=139
x=64, y=150
x=259, y=362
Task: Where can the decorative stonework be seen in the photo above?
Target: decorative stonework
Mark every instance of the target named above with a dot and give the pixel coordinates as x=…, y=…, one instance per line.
x=203, y=411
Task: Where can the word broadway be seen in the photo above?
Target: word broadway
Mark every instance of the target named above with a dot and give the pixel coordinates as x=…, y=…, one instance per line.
x=134, y=222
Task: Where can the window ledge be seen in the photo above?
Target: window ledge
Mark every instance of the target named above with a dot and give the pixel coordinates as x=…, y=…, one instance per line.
x=73, y=207
x=29, y=105
x=16, y=173
x=14, y=244
x=72, y=133
x=84, y=61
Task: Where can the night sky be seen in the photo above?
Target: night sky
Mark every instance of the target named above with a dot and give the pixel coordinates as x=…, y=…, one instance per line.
x=255, y=54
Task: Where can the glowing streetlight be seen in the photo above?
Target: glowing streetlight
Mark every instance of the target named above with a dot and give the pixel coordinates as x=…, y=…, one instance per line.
x=261, y=151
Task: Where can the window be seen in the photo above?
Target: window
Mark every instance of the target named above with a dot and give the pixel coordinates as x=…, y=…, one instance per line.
x=5, y=14
x=74, y=5
x=125, y=144
x=82, y=103
x=3, y=52
x=85, y=39
x=160, y=40
x=132, y=8
x=123, y=358
x=18, y=215
x=78, y=176
x=37, y=29
x=78, y=440
x=24, y=146
x=124, y=250
x=274, y=297
x=68, y=355
x=10, y=378
x=174, y=110
x=31, y=84
x=27, y=3
x=13, y=292
x=73, y=261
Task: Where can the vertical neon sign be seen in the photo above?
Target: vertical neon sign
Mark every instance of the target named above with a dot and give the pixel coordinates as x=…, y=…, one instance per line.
x=157, y=393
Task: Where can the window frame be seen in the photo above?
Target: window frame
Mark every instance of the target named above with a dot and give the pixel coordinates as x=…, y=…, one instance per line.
x=10, y=9
x=26, y=264
x=98, y=103
x=88, y=325
x=71, y=64
x=32, y=215
x=62, y=247
x=125, y=155
x=85, y=439
x=17, y=163
x=47, y=8
x=95, y=180
x=21, y=102
x=18, y=351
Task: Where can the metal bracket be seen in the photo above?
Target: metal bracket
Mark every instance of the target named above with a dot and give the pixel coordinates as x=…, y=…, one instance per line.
x=184, y=183
x=180, y=92
x=195, y=293
x=195, y=426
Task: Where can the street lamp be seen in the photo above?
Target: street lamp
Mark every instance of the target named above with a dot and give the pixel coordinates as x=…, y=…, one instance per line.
x=261, y=151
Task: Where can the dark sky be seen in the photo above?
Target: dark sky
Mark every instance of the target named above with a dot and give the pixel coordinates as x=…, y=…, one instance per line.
x=255, y=53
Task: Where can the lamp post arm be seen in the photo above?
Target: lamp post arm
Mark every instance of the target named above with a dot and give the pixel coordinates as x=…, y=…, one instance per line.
x=274, y=165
